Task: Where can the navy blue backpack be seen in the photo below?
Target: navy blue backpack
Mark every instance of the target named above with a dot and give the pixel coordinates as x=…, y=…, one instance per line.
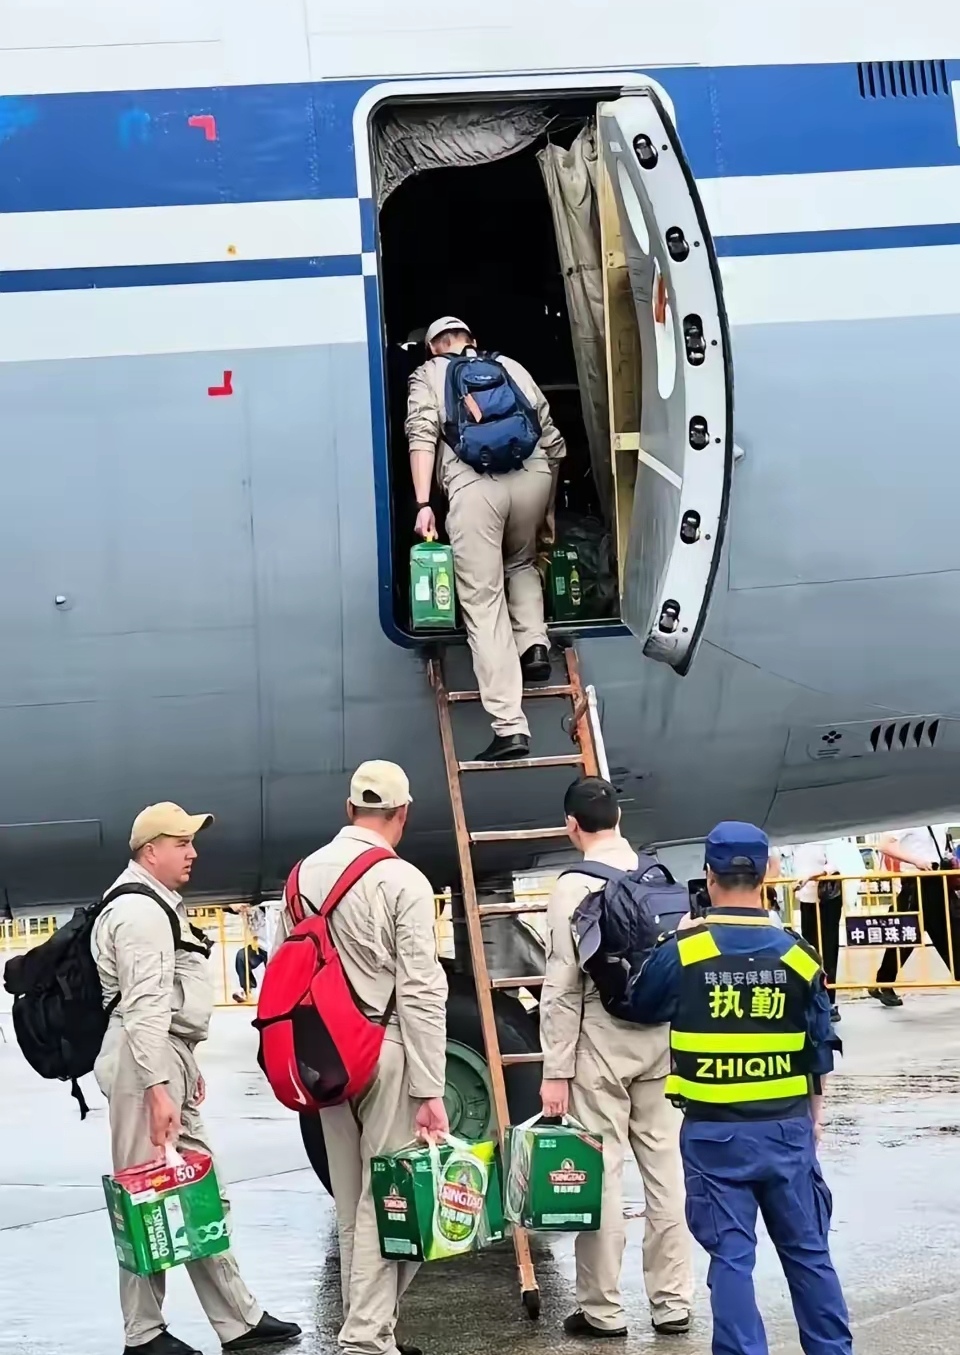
x=490, y=423
x=618, y=926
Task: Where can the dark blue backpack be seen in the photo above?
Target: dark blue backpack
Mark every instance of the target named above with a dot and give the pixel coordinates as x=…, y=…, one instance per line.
x=490, y=423
x=618, y=926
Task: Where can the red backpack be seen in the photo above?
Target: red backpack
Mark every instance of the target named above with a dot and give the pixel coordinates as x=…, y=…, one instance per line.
x=317, y=1048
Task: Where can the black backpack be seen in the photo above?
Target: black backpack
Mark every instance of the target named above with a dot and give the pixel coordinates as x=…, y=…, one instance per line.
x=618, y=926
x=58, y=1014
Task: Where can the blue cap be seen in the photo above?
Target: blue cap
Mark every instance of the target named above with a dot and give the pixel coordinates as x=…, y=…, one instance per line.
x=732, y=846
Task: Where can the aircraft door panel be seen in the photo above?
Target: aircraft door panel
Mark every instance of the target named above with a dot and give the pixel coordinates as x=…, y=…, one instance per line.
x=671, y=430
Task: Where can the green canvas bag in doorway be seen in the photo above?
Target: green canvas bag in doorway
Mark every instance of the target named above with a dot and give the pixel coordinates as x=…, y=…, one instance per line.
x=164, y=1213
x=437, y=1200
x=554, y=1176
x=433, y=595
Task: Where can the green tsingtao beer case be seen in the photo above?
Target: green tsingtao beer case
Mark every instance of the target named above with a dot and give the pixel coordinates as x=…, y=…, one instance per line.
x=433, y=596
x=163, y=1214
x=564, y=584
x=435, y=1202
x=554, y=1176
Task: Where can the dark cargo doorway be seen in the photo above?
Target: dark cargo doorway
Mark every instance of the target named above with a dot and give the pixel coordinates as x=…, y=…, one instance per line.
x=478, y=242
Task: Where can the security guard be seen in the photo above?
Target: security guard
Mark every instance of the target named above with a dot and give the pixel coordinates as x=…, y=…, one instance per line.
x=493, y=523
x=155, y=970
x=610, y=1076
x=384, y=933
x=751, y=1040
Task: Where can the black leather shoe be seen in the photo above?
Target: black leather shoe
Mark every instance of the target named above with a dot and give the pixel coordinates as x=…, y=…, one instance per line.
x=405, y=1348
x=535, y=664
x=269, y=1331
x=578, y=1324
x=674, y=1326
x=164, y=1344
x=506, y=748
x=887, y=996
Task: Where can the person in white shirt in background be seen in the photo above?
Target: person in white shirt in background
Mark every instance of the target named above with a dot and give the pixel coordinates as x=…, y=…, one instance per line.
x=821, y=906
x=914, y=852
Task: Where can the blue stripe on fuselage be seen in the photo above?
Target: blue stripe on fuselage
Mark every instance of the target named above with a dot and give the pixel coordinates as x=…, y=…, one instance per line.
x=350, y=265
x=60, y=152
x=830, y=242
x=176, y=274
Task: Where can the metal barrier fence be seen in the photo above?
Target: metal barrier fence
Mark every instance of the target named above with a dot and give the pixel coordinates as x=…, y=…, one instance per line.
x=906, y=926
x=885, y=929
x=22, y=933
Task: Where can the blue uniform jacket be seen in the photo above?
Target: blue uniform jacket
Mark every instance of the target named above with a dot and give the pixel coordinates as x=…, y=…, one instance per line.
x=654, y=992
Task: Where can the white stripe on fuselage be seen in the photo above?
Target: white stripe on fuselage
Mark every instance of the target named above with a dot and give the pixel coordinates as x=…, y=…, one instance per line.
x=767, y=204
x=202, y=317
x=752, y=206
x=211, y=232
x=868, y=284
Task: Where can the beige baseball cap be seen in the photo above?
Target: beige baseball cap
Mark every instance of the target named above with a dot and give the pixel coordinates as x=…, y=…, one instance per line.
x=379, y=785
x=165, y=820
x=442, y=325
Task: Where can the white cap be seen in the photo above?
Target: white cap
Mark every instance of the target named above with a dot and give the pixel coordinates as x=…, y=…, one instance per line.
x=442, y=325
x=379, y=785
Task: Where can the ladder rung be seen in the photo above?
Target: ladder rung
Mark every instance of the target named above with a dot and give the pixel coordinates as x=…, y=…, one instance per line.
x=525, y=981
x=508, y=1060
x=509, y=909
x=528, y=693
x=518, y=835
x=519, y=763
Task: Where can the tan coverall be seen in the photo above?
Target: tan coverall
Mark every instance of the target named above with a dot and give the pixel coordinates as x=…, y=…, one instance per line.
x=492, y=523
x=384, y=933
x=166, y=1001
x=617, y=1074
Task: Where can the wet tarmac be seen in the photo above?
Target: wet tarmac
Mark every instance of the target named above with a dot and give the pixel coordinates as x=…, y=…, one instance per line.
x=892, y=1157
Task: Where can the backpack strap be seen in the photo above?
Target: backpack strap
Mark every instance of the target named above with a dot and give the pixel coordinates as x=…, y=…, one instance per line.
x=352, y=875
x=291, y=894
x=596, y=870
x=300, y=907
x=180, y=942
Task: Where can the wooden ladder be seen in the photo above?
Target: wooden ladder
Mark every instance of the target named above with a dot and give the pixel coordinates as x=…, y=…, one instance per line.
x=581, y=733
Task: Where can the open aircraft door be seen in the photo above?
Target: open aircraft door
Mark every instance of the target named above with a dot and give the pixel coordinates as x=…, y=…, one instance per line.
x=670, y=378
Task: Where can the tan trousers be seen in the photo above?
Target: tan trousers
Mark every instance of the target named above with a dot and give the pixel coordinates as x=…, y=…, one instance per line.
x=617, y=1091
x=492, y=524
x=381, y=1122
x=230, y=1307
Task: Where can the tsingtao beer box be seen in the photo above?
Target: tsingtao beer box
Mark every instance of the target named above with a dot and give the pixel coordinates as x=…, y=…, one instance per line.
x=436, y=1202
x=554, y=1177
x=164, y=1214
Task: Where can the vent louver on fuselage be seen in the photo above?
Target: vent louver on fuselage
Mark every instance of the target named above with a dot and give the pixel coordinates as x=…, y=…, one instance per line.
x=891, y=735
x=903, y=79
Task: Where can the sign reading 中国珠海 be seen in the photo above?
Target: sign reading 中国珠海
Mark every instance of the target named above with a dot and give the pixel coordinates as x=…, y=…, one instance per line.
x=884, y=929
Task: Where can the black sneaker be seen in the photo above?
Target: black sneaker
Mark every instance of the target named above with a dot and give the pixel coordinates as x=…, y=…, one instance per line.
x=578, y=1324
x=269, y=1331
x=164, y=1344
x=887, y=996
x=674, y=1326
x=835, y=1013
x=506, y=748
x=535, y=664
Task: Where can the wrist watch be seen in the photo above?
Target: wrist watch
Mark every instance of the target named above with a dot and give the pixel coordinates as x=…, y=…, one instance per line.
x=422, y=505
